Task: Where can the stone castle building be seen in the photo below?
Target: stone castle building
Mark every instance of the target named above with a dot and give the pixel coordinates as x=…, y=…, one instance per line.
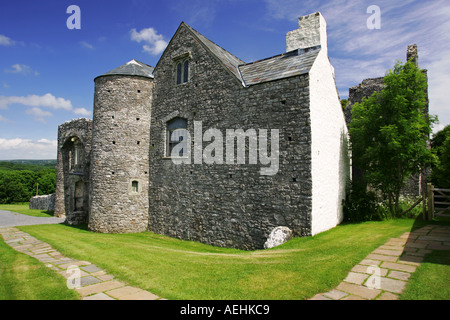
x=133, y=167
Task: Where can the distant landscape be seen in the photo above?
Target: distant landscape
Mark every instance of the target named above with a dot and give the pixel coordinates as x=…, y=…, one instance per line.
x=20, y=180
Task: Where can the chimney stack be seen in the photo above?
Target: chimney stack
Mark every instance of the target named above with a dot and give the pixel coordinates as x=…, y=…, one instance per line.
x=412, y=54
x=312, y=31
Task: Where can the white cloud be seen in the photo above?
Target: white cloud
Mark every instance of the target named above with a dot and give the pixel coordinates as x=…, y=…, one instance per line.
x=87, y=45
x=154, y=42
x=21, y=69
x=5, y=41
x=47, y=100
x=18, y=148
x=82, y=111
x=39, y=114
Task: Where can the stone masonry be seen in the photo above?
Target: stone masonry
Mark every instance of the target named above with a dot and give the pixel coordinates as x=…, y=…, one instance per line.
x=133, y=184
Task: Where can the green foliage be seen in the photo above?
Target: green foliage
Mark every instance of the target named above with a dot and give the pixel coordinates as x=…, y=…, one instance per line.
x=441, y=146
x=389, y=133
x=18, y=183
x=344, y=103
x=361, y=205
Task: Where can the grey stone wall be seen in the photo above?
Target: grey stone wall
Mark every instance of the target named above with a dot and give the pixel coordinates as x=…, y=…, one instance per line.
x=120, y=150
x=220, y=204
x=364, y=90
x=72, y=175
x=46, y=202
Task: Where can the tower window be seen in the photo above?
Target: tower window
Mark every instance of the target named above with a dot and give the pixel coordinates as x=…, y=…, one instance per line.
x=135, y=186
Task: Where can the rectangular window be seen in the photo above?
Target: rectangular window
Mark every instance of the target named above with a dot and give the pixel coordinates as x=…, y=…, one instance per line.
x=177, y=138
x=135, y=186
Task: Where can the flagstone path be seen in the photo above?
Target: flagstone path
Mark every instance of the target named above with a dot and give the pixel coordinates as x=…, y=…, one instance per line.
x=90, y=281
x=384, y=273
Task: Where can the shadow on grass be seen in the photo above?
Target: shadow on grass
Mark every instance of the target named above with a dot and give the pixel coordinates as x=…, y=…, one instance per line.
x=428, y=241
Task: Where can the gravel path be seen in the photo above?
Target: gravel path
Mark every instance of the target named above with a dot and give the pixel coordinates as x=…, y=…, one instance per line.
x=13, y=219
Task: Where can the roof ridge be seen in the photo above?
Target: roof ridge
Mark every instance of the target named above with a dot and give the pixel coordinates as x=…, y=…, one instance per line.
x=295, y=52
x=213, y=42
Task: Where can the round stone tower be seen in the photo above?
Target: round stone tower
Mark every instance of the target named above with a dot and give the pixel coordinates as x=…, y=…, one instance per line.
x=120, y=149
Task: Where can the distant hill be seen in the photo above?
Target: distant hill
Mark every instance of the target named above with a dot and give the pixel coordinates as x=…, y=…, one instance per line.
x=32, y=165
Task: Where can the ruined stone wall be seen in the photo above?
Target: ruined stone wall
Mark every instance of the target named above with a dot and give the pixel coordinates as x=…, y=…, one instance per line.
x=120, y=149
x=69, y=172
x=228, y=204
x=46, y=202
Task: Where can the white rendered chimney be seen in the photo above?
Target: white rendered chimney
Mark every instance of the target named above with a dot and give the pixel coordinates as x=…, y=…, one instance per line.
x=312, y=31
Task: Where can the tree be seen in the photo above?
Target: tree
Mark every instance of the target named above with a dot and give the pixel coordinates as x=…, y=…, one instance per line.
x=441, y=146
x=389, y=133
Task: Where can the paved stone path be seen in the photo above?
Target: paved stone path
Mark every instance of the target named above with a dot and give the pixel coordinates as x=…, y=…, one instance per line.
x=384, y=273
x=90, y=281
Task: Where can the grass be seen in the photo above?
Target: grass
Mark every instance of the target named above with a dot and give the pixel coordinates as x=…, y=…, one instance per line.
x=23, y=208
x=25, y=278
x=176, y=269
x=431, y=281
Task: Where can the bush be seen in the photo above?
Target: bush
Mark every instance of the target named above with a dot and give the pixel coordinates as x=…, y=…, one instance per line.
x=361, y=205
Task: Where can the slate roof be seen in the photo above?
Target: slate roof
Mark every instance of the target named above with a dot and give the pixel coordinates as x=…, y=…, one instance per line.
x=285, y=65
x=132, y=68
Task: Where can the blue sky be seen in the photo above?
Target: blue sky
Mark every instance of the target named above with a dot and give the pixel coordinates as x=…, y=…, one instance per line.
x=47, y=70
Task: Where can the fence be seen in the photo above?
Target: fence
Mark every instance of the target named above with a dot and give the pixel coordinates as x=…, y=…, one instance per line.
x=438, y=202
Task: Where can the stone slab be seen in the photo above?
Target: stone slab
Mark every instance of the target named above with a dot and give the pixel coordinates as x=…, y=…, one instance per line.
x=388, y=296
x=395, y=253
x=91, y=268
x=100, y=287
x=356, y=278
x=89, y=280
x=398, y=266
x=99, y=296
x=122, y=292
x=381, y=257
x=391, y=285
x=358, y=290
x=335, y=294
x=399, y=275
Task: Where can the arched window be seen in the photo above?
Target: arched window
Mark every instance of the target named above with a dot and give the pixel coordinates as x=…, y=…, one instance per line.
x=177, y=137
x=182, y=71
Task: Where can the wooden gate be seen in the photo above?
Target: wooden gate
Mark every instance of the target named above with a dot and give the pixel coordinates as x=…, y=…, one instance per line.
x=438, y=202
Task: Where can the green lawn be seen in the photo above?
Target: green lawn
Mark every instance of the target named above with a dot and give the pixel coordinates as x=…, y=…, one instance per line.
x=25, y=278
x=24, y=208
x=431, y=281
x=176, y=269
